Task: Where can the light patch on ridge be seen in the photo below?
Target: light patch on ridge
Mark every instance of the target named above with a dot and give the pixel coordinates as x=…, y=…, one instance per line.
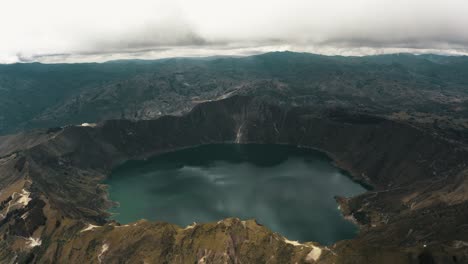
x=118, y=226
x=314, y=254
x=89, y=227
x=243, y=224
x=104, y=248
x=24, y=197
x=202, y=260
x=32, y=242
x=21, y=199
x=190, y=226
x=25, y=215
x=88, y=125
x=294, y=243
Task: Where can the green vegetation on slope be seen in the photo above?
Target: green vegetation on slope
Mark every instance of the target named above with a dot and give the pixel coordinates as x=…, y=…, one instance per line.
x=44, y=95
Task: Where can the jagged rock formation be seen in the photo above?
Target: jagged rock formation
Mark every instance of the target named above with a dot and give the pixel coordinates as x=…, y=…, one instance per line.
x=53, y=205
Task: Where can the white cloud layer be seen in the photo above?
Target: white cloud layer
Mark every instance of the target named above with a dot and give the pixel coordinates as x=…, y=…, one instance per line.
x=91, y=30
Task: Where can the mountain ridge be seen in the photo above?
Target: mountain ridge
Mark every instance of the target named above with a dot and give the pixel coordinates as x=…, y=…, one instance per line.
x=75, y=159
x=42, y=95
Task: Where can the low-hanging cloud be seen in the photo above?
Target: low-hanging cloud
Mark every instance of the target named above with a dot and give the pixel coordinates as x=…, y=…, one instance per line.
x=86, y=30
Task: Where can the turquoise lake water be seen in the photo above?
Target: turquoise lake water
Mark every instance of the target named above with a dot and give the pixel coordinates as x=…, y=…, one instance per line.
x=289, y=190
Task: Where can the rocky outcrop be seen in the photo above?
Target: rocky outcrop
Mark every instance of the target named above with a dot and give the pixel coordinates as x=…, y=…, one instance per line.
x=417, y=206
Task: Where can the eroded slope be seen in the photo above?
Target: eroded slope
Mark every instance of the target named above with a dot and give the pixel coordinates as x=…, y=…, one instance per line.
x=53, y=207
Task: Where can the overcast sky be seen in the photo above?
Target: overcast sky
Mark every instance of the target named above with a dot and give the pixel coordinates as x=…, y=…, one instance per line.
x=100, y=30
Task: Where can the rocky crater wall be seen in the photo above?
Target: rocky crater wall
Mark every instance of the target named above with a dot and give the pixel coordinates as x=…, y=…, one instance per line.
x=416, y=177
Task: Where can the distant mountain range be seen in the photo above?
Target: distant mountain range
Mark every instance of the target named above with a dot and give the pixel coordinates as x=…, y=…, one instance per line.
x=35, y=95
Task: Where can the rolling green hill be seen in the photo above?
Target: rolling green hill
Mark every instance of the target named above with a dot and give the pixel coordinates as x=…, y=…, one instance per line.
x=43, y=95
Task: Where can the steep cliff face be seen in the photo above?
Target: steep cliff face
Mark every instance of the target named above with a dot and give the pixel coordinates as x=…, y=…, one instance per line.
x=53, y=205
